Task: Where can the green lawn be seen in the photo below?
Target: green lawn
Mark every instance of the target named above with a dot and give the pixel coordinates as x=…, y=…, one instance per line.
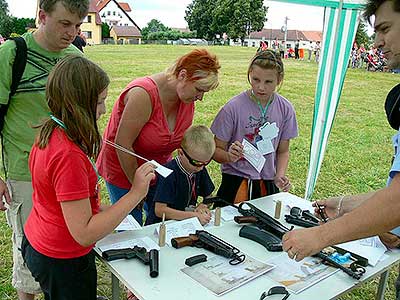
x=358, y=155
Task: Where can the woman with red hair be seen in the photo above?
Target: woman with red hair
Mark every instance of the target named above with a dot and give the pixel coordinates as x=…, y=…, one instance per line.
x=151, y=116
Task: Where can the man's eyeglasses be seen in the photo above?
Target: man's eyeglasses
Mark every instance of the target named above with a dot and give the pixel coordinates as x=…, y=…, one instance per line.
x=194, y=162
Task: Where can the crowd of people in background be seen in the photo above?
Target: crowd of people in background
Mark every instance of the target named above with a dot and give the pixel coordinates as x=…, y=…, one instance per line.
x=313, y=50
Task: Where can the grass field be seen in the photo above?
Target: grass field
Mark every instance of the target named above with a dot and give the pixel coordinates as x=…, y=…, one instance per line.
x=357, y=158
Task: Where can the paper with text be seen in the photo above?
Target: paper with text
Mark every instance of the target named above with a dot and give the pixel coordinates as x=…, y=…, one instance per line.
x=253, y=155
x=180, y=228
x=145, y=242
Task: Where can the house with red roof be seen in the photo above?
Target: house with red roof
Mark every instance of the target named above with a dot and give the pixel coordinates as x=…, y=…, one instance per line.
x=277, y=36
x=122, y=27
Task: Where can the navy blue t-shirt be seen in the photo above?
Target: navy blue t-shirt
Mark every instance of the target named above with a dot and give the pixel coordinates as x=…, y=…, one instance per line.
x=177, y=189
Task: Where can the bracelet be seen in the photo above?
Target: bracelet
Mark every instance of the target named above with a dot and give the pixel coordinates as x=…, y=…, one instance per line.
x=339, y=208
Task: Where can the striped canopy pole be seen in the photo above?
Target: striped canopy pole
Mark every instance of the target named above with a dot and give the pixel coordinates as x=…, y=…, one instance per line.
x=340, y=27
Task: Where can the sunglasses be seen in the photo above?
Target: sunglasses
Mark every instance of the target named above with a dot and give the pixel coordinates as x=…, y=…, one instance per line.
x=194, y=162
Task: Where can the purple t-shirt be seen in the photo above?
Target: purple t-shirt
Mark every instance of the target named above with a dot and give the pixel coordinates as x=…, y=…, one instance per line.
x=241, y=118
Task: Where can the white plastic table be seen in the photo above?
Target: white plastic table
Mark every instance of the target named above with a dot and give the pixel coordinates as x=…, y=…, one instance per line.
x=174, y=284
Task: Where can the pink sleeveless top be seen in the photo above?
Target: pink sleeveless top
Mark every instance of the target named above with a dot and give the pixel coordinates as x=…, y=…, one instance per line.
x=155, y=140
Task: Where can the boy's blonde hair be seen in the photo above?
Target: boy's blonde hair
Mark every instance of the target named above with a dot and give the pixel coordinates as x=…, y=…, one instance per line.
x=199, y=137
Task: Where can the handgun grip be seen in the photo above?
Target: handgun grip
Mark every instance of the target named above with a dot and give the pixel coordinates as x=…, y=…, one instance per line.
x=244, y=219
x=184, y=241
x=110, y=255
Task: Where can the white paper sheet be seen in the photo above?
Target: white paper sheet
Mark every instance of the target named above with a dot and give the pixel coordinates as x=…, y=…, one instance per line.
x=253, y=155
x=129, y=223
x=180, y=228
x=298, y=276
x=163, y=171
x=228, y=213
x=370, y=248
x=145, y=242
x=218, y=276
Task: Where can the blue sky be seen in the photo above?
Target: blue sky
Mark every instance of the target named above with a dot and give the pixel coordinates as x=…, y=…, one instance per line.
x=172, y=12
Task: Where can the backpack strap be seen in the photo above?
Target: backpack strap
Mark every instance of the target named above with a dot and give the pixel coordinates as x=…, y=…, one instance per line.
x=19, y=64
x=18, y=68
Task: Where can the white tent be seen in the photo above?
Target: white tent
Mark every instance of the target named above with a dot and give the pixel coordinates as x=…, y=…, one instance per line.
x=340, y=27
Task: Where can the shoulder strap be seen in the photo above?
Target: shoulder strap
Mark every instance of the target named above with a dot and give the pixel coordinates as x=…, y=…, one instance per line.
x=19, y=63
x=18, y=68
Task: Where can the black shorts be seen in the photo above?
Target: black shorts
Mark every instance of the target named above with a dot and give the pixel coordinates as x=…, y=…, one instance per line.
x=231, y=183
x=62, y=279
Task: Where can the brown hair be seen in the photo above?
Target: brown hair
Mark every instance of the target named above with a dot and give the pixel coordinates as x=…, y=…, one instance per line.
x=372, y=6
x=267, y=59
x=80, y=8
x=201, y=66
x=72, y=93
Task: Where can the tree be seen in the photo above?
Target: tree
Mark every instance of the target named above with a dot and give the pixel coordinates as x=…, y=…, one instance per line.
x=5, y=19
x=239, y=17
x=20, y=25
x=199, y=16
x=361, y=35
x=153, y=26
x=105, y=30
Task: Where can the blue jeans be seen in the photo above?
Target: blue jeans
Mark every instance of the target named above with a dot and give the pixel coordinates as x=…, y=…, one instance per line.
x=116, y=193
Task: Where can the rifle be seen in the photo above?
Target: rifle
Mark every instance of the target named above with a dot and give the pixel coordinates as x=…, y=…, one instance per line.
x=148, y=258
x=260, y=219
x=266, y=223
x=204, y=239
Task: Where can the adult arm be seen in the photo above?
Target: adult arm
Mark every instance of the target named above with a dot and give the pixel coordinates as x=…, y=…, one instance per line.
x=4, y=194
x=340, y=205
x=233, y=154
x=282, y=161
x=135, y=115
x=87, y=228
x=375, y=215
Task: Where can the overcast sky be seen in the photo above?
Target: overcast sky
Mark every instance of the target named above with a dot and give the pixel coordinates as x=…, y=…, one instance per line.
x=171, y=13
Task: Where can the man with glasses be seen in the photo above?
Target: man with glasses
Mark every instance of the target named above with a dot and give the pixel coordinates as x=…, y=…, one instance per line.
x=176, y=195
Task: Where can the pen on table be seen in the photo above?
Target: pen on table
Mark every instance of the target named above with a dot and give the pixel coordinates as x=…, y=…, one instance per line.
x=321, y=210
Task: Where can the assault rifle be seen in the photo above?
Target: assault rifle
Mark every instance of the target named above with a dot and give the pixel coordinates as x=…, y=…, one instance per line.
x=204, y=239
x=148, y=258
x=267, y=225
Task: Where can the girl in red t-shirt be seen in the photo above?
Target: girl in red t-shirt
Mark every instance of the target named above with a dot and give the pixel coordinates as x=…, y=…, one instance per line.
x=66, y=218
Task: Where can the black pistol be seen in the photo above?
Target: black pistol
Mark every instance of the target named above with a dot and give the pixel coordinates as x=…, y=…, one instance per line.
x=148, y=258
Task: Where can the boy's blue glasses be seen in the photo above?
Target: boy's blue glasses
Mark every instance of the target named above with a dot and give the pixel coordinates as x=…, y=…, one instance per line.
x=194, y=162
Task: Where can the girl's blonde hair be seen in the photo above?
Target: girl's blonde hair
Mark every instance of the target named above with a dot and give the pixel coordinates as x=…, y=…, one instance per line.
x=72, y=93
x=267, y=59
x=201, y=66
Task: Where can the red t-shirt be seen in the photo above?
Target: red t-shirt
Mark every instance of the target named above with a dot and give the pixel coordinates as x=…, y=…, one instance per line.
x=155, y=140
x=60, y=172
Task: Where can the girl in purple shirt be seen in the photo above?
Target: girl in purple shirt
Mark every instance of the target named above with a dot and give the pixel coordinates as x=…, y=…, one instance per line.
x=266, y=120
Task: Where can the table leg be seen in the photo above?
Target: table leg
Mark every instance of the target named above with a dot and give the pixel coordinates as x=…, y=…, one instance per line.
x=115, y=287
x=380, y=295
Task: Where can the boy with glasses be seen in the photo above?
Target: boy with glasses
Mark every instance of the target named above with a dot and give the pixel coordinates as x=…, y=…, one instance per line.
x=176, y=195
